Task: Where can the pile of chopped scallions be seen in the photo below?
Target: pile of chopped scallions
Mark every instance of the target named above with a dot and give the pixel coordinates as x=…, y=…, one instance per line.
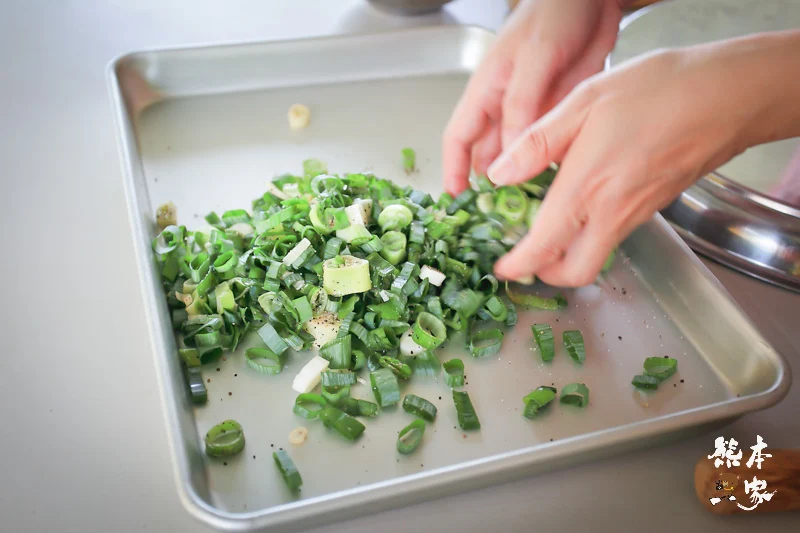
x=374, y=276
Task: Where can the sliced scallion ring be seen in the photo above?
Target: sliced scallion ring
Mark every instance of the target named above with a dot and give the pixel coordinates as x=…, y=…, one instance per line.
x=531, y=300
x=575, y=394
x=410, y=437
x=486, y=342
x=289, y=473
x=660, y=367
x=304, y=403
x=454, y=373
x=645, y=382
x=419, y=407
x=537, y=400
x=341, y=422
x=543, y=335
x=385, y=387
x=429, y=331
x=467, y=417
x=225, y=439
x=263, y=360
x=573, y=341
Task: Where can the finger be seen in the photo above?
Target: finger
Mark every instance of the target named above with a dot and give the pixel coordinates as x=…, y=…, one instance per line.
x=543, y=142
x=559, y=220
x=533, y=76
x=486, y=149
x=478, y=105
x=584, y=258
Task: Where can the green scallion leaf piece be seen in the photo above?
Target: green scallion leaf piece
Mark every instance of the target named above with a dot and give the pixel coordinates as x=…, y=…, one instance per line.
x=385, y=387
x=467, y=417
x=454, y=373
x=394, y=247
x=409, y=160
x=263, y=360
x=429, y=331
x=609, y=261
x=486, y=342
x=335, y=395
x=304, y=405
x=573, y=341
x=395, y=217
x=660, y=367
x=225, y=439
x=645, y=382
x=272, y=339
x=341, y=422
x=314, y=167
x=289, y=473
x=338, y=352
x=399, y=368
x=354, y=407
x=197, y=387
x=410, y=437
x=530, y=300
x=537, y=400
x=466, y=198
x=511, y=203
x=340, y=378
x=426, y=363
x=543, y=335
x=190, y=357
x=575, y=394
x=417, y=232
x=419, y=407
x=357, y=358
x=210, y=356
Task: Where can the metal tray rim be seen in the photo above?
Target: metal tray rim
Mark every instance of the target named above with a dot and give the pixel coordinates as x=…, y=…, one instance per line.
x=511, y=464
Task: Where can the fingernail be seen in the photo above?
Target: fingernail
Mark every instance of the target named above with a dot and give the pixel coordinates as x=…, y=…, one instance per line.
x=502, y=171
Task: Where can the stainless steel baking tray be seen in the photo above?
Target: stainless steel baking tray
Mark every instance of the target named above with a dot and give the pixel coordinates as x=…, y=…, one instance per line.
x=204, y=127
x=746, y=214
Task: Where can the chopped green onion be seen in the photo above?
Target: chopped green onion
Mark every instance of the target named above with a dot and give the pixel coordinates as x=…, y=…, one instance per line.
x=314, y=167
x=272, y=339
x=395, y=217
x=190, y=357
x=530, y=300
x=467, y=418
x=410, y=437
x=354, y=407
x=225, y=439
x=461, y=201
x=454, y=373
x=543, y=335
x=417, y=233
x=573, y=341
x=304, y=403
x=419, y=407
x=197, y=388
x=511, y=203
x=288, y=470
x=337, y=351
x=385, y=387
x=333, y=378
x=575, y=394
x=399, y=368
x=660, y=367
x=341, y=422
x=645, y=382
x=409, y=159
x=394, y=246
x=429, y=331
x=336, y=395
x=609, y=261
x=537, y=400
x=263, y=360
x=486, y=342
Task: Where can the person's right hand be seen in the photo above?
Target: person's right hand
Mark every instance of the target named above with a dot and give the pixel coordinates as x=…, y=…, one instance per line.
x=546, y=49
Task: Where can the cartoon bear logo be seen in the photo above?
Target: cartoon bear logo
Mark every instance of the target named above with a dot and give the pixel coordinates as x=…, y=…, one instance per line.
x=725, y=485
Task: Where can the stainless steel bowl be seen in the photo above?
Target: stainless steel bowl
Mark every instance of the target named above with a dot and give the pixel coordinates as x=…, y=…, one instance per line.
x=409, y=7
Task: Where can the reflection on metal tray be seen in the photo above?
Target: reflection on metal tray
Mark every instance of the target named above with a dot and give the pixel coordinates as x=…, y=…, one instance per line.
x=747, y=213
x=205, y=127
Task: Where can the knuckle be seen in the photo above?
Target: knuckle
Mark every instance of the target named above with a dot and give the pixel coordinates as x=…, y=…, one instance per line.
x=546, y=252
x=536, y=141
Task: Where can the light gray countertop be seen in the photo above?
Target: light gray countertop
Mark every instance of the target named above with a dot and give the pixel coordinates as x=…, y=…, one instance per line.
x=83, y=439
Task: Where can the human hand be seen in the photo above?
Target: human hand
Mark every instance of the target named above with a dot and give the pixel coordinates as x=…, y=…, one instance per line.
x=631, y=140
x=547, y=47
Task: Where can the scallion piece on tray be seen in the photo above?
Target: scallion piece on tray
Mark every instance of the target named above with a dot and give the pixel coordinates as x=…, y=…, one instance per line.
x=419, y=407
x=409, y=159
x=486, y=342
x=197, y=388
x=225, y=439
x=336, y=395
x=337, y=352
x=342, y=378
x=531, y=300
x=344, y=424
x=410, y=436
x=660, y=367
x=289, y=473
x=263, y=360
x=308, y=405
x=537, y=400
x=573, y=341
x=454, y=373
x=575, y=394
x=385, y=387
x=467, y=417
x=543, y=335
x=429, y=331
x=642, y=381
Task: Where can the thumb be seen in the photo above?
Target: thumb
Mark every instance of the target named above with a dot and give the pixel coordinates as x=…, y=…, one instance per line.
x=545, y=141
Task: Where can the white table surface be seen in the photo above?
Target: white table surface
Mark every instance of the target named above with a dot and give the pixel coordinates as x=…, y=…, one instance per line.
x=83, y=438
